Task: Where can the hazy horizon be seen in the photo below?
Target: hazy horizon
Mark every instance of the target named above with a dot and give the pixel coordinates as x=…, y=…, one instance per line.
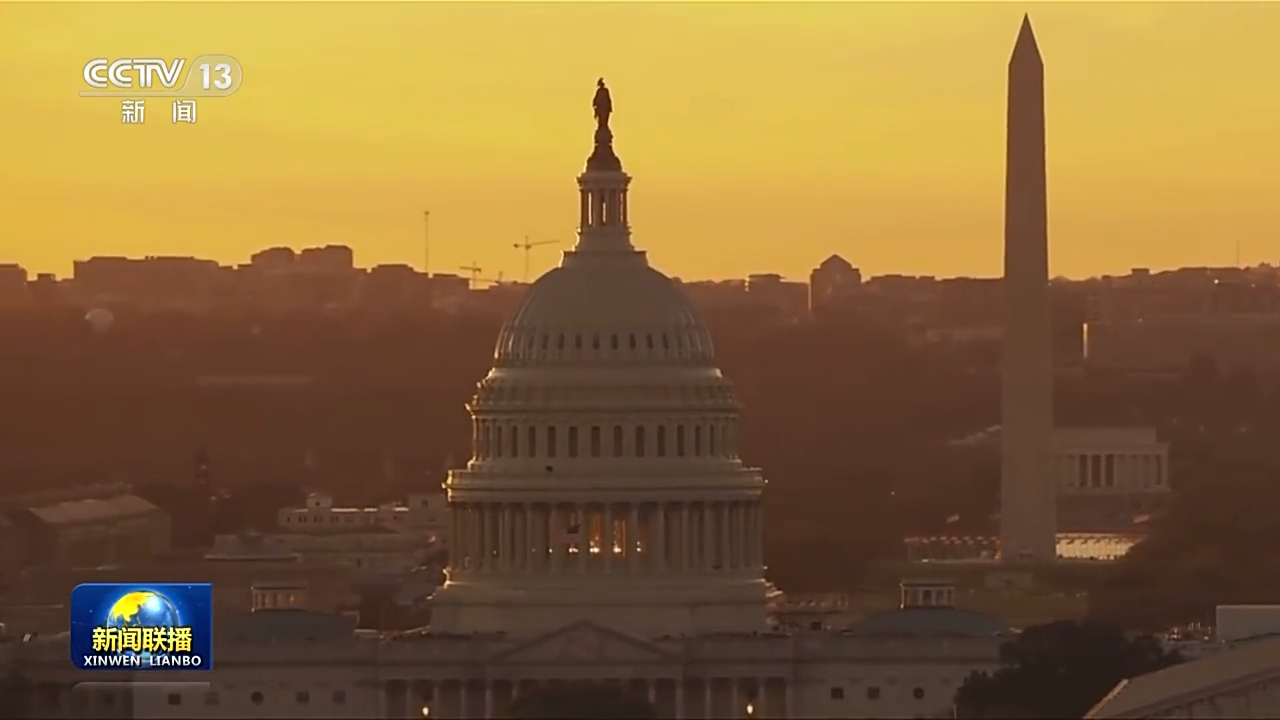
x=762, y=137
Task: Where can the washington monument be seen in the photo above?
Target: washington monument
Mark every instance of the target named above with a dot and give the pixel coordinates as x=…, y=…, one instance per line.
x=1027, y=493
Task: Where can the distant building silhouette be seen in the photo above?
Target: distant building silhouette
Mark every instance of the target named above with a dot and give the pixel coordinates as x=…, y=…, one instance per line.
x=833, y=283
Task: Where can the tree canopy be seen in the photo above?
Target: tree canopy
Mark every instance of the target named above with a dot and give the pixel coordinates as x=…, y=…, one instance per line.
x=1059, y=670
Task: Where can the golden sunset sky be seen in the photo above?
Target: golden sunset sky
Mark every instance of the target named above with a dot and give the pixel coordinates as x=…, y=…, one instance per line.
x=762, y=136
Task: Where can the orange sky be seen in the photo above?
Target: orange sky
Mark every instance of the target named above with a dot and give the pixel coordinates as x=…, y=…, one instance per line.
x=762, y=136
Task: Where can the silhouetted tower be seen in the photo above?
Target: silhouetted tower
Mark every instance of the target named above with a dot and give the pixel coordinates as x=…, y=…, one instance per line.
x=1027, y=512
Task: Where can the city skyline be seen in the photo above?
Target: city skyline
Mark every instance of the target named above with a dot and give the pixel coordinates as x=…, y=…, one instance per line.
x=828, y=145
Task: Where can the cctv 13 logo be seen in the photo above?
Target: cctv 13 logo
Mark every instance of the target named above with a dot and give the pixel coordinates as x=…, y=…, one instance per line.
x=206, y=76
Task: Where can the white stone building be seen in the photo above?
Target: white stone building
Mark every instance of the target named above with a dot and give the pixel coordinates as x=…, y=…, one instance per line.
x=605, y=530
x=421, y=512
x=1242, y=681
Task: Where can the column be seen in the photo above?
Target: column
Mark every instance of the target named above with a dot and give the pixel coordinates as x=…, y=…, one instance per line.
x=725, y=513
x=480, y=521
x=744, y=537
x=708, y=536
x=530, y=537
x=680, y=698
x=788, y=685
x=706, y=697
x=651, y=686
x=584, y=542
x=762, y=697
x=606, y=537
x=488, y=699
x=463, y=710
x=491, y=537
x=633, y=540
x=757, y=540
x=555, y=530
x=504, y=538
x=684, y=537
x=658, y=533
x=735, y=711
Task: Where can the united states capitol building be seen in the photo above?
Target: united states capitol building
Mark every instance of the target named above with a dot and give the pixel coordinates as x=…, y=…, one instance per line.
x=605, y=531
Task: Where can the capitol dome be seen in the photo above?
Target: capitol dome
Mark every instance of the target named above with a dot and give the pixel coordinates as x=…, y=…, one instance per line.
x=604, y=483
x=601, y=308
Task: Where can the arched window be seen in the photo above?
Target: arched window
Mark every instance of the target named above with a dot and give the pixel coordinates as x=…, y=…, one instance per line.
x=560, y=342
x=639, y=441
x=595, y=342
x=531, y=447
x=514, y=434
x=617, y=441
x=666, y=342
x=573, y=441
x=648, y=341
x=680, y=440
x=484, y=439
x=697, y=441
x=661, y=449
x=631, y=341
x=577, y=342
x=552, y=447
x=595, y=441
x=711, y=440
x=497, y=440
x=613, y=342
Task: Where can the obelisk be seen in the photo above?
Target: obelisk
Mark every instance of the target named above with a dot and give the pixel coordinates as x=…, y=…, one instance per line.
x=1027, y=494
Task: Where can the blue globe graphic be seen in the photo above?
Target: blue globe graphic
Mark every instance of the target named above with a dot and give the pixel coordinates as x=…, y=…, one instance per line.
x=143, y=608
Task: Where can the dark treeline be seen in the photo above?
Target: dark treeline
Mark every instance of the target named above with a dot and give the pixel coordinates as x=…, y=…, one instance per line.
x=850, y=422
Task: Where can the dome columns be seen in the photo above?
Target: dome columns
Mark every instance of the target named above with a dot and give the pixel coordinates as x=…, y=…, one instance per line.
x=604, y=217
x=503, y=541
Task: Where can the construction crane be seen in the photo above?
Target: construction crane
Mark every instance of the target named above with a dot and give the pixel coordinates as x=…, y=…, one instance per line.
x=475, y=270
x=528, y=247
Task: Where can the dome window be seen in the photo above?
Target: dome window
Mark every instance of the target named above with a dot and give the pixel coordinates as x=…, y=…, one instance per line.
x=577, y=342
x=551, y=441
x=560, y=342
x=680, y=440
x=497, y=441
x=711, y=440
x=697, y=441
x=613, y=342
x=573, y=441
x=639, y=441
x=617, y=441
x=595, y=342
x=631, y=341
x=531, y=444
x=662, y=441
x=648, y=341
x=484, y=440
x=514, y=434
x=546, y=340
x=666, y=342
x=595, y=441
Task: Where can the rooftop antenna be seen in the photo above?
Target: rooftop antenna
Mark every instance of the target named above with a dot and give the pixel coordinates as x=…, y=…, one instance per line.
x=426, y=242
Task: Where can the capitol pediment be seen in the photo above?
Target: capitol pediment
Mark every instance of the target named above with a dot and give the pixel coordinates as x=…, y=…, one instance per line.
x=584, y=642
